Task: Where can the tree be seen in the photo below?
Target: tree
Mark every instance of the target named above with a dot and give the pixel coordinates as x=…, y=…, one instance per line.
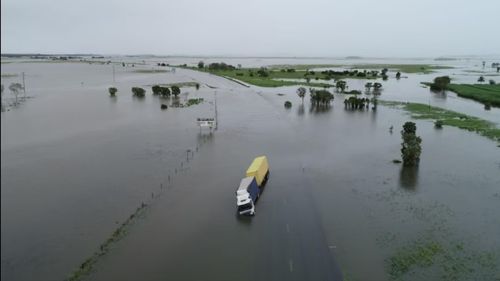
x=197, y=85
x=288, y=104
x=301, y=92
x=481, y=79
x=320, y=97
x=440, y=83
x=15, y=88
x=411, y=149
x=368, y=85
x=340, y=84
x=201, y=64
x=138, y=92
x=165, y=92
x=262, y=72
x=112, y=91
x=175, y=90
x=156, y=89
x=492, y=82
x=398, y=75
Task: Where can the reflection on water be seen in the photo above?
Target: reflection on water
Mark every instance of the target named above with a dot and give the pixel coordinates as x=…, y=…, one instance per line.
x=408, y=177
x=319, y=109
x=300, y=110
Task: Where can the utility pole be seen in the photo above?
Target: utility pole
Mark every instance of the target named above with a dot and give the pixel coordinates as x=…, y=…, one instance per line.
x=24, y=86
x=113, y=75
x=216, y=119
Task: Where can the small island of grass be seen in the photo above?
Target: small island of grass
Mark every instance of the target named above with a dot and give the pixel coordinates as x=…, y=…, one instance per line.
x=448, y=118
x=483, y=93
x=406, y=68
x=289, y=75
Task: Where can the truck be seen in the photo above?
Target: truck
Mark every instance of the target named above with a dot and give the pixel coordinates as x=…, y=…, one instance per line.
x=251, y=186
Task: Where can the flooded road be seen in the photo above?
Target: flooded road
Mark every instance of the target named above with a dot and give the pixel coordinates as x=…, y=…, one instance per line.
x=335, y=203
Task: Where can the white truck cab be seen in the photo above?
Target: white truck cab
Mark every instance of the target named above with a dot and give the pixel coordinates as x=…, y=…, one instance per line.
x=244, y=201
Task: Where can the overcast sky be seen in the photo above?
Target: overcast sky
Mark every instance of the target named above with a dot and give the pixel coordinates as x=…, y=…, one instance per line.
x=382, y=28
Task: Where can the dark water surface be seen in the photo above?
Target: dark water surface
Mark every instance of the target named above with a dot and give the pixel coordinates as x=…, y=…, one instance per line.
x=76, y=163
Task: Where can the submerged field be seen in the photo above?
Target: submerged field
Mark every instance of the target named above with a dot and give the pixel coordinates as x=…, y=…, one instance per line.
x=102, y=188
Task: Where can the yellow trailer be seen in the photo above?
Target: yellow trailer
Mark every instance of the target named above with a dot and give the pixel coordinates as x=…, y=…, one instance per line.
x=259, y=169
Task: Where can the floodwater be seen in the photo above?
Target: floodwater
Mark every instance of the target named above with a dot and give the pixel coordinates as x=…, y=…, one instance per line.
x=76, y=163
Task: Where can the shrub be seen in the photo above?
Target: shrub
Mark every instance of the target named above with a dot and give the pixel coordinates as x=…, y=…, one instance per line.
x=156, y=89
x=112, y=91
x=438, y=124
x=288, y=104
x=138, y=92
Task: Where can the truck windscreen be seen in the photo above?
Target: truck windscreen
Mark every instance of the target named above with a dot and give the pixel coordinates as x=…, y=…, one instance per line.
x=244, y=207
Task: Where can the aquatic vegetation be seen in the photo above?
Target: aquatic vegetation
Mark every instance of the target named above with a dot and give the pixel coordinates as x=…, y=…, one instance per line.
x=194, y=101
x=418, y=255
x=449, y=118
x=451, y=260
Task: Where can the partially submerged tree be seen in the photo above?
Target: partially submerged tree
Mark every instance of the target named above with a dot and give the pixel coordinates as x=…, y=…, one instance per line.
x=288, y=104
x=156, y=89
x=15, y=88
x=411, y=149
x=201, y=64
x=165, y=92
x=354, y=102
x=301, y=92
x=398, y=75
x=320, y=97
x=112, y=91
x=481, y=79
x=440, y=83
x=175, y=90
x=138, y=92
x=197, y=86
x=340, y=85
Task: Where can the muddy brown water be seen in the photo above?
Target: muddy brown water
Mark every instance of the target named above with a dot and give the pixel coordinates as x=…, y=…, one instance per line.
x=76, y=163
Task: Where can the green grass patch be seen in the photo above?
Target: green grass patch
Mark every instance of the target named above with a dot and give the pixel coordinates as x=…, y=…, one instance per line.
x=178, y=84
x=194, y=101
x=275, y=76
x=484, y=93
x=302, y=66
x=415, y=256
x=150, y=70
x=450, y=262
x=449, y=118
x=407, y=68
x=9, y=75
